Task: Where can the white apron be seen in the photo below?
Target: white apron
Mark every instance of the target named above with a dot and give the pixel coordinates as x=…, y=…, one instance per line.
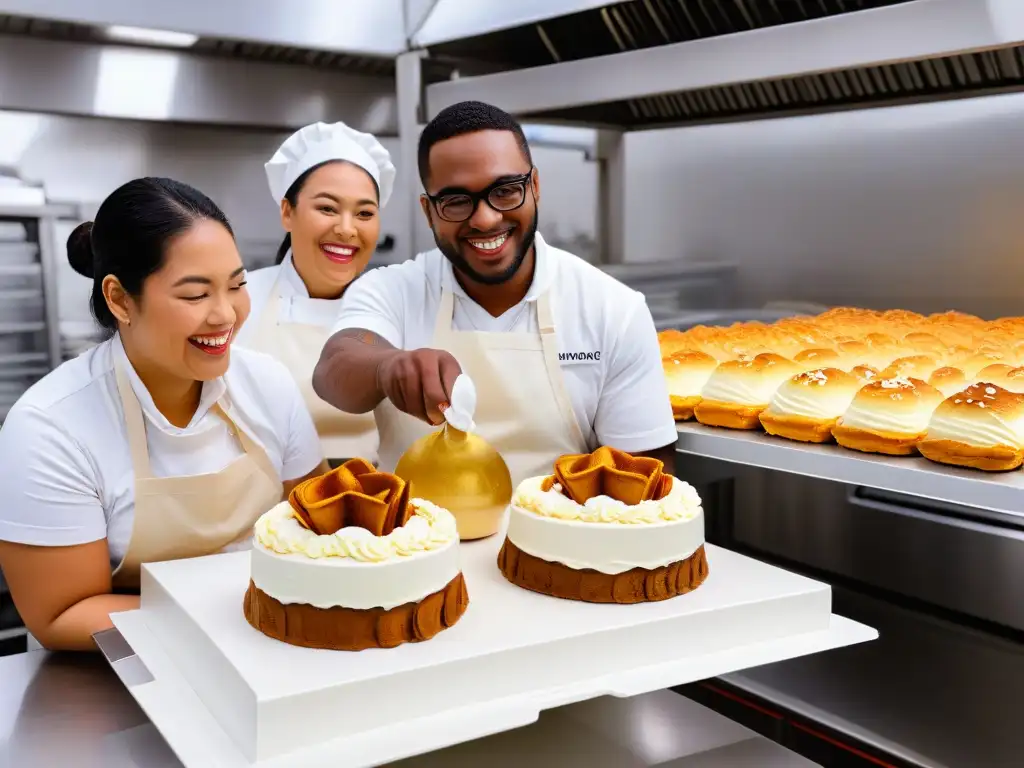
x=191, y=516
x=523, y=408
x=298, y=346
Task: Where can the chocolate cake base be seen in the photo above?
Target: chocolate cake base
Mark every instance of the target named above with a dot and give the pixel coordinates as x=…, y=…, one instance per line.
x=639, y=585
x=349, y=629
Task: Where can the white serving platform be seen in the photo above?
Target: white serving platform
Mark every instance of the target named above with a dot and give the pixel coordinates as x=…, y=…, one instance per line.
x=223, y=694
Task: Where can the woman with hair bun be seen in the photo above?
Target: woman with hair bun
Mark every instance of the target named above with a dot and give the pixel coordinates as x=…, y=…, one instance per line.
x=331, y=182
x=162, y=442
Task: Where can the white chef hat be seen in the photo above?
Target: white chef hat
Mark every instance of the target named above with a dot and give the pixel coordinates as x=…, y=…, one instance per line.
x=321, y=142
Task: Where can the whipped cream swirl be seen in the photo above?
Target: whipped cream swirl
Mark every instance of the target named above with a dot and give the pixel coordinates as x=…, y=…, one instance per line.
x=430, y=527
x=681, y=503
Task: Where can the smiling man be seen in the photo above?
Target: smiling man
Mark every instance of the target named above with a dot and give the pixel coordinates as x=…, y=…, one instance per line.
x=564, y=357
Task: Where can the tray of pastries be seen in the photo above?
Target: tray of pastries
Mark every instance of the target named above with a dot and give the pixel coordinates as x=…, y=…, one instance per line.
x=948, y=387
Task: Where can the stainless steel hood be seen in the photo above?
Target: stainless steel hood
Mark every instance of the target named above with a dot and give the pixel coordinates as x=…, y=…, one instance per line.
x=65, y=68
x=655, y=63
x=375, y=28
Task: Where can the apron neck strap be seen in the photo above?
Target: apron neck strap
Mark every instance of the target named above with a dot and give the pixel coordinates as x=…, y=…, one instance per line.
x=134, y=423
x=136, y=428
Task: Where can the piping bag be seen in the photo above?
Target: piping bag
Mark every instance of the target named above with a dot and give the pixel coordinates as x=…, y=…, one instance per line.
x=458, y=470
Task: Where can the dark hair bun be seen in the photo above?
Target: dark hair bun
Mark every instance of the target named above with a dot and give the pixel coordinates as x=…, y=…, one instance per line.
x=80, y=250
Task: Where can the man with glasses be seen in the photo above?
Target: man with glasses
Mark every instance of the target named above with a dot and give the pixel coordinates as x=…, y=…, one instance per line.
x=564, y=357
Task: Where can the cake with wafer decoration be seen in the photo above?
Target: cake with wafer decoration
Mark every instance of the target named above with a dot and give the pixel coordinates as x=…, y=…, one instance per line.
x=605, y=527
x=351, y=562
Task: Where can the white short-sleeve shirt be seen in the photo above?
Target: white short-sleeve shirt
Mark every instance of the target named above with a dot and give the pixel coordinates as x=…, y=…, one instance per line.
x=294, y=303
x=607, y=343
x=65, y=468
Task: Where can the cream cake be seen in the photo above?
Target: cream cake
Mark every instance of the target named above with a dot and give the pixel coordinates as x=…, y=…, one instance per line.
x=606, y=527
x=350, y=562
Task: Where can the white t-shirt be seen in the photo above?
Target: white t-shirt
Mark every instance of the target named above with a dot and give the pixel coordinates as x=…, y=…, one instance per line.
x=607, y=342
x=294, y=304
x=65, y=468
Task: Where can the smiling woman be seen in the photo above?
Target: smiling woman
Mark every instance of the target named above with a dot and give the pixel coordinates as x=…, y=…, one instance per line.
x=330, y=182
x=160, y=443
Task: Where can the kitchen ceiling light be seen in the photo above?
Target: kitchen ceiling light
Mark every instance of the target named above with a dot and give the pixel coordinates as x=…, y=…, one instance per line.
x=158, y=37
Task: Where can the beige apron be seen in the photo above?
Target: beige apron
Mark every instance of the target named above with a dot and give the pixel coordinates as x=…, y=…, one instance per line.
x=179, y=517
x=298, y=346
x=523, y=408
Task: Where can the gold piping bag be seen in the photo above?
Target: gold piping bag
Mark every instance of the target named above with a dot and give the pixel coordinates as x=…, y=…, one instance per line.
x=458, y=470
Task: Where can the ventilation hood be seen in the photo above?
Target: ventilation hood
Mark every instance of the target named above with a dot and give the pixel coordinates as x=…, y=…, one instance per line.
x=375, y=28
x=213, y=81
x=657, y=63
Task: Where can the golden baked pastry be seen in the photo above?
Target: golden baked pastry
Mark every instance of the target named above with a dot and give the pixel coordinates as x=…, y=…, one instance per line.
x=807, y=406
x=947, y=350
x=914, y=366
x=948, y=380
x=981, y=427
x=686, y=373
x=1005, y=376
x=888, y=416
x=353, y=494
x=739, y=390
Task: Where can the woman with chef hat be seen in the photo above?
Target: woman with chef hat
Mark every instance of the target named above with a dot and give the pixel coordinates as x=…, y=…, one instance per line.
x=331, y=182
x=162, y=442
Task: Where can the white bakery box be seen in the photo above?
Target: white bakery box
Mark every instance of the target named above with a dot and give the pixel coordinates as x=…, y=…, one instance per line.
x=223, y=694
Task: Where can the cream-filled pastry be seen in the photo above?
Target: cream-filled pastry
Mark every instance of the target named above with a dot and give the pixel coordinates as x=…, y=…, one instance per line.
x=807, y=406
x=948, y=380
x=914, y=366
x=888, y=416
x=739, y=390
x=817, y=357
x=981, y=360
x=864, y=373
x=922, y=343
x=1002, y=375
x=686, y=373
x=981, y=427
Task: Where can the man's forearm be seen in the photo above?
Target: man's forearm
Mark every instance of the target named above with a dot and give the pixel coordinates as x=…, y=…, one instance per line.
x=346, y=375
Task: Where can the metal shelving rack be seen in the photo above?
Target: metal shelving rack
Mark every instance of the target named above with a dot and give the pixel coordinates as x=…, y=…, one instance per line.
x=30, y=345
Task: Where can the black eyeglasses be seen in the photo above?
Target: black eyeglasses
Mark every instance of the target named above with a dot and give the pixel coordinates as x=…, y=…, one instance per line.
x=503, y=196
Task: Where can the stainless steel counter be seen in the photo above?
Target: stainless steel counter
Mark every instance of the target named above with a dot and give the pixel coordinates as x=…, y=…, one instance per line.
x=72, y=710
x=913, y=476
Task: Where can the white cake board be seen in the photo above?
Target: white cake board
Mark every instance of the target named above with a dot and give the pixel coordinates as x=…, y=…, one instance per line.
x=218, y=683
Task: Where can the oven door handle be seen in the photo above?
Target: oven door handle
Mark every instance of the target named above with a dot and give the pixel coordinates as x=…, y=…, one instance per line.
x=856, y=498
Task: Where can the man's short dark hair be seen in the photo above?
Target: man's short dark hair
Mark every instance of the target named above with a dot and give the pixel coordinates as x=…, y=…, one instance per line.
x=467, y=117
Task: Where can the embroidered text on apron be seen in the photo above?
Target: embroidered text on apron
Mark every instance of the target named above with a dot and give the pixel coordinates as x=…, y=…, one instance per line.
x=298, y=346
x=523, y=408
x=191, y=516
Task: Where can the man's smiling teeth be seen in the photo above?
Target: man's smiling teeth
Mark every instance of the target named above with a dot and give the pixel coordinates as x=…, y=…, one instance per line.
x=339, y=250
x=492, y=244
x=211, y=341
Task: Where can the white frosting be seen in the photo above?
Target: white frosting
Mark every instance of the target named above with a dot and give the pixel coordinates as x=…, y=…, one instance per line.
x=979, y=425
x=353, y=568
x=609, y=538
x=812, y=400
x=745, y=387
x=331, y=582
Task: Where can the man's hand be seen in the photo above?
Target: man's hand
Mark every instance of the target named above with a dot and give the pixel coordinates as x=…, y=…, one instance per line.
x=419, y=382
